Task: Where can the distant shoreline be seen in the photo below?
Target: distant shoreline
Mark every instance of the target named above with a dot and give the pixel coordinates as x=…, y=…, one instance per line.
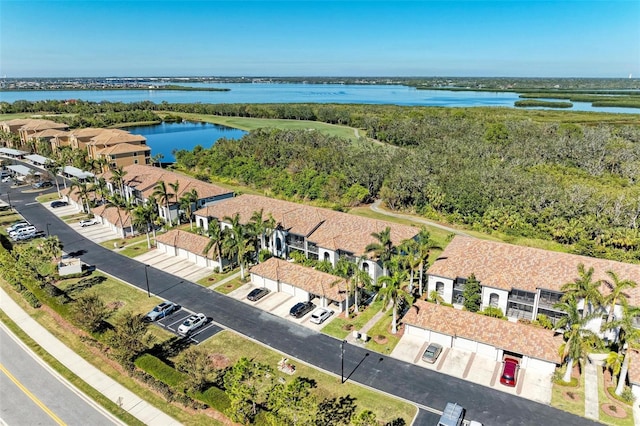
x=115, y=88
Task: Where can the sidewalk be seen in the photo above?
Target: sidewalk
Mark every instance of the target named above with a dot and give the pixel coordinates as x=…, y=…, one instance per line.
x=365, y=328
x=591, y=405
x=113, y=390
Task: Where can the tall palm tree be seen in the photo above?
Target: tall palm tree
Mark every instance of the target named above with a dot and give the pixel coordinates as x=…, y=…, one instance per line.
x=100, y=185
x=238, y=243
x=584, y=288
x=261, y=227
x=161, y=193
x=54, y=167
x=118, y=202
x=628, y=336
x=409, y=249
x=175, y=186
x=360, y=279
x=83, y=190
x=142, y=220
x=117, y=178
x=383, y=249
x=157, y=159
x=216, y=237
x=425, y=245
x=187, y=203
x=391, y=292
x=617, y=294
x=52, y=246
x=576, y=336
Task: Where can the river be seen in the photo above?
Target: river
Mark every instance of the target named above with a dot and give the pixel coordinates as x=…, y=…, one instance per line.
x=300, y=93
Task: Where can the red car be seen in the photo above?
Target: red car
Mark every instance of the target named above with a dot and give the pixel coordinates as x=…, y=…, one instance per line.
x=510, y=369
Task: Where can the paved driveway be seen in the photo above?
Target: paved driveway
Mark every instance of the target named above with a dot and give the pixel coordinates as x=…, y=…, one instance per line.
x=475, y=368
x=179, y=266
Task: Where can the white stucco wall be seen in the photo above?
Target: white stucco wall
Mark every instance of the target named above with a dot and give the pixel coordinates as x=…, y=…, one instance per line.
x=538, y=365
x=502, y=294
x=432, y=281
x=333, y=257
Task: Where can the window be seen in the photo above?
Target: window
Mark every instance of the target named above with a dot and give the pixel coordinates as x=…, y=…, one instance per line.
x=135, y=161
x=440, y=288
x=326, y=257
x=278, y=244
x=494, y=298
x=365, y=267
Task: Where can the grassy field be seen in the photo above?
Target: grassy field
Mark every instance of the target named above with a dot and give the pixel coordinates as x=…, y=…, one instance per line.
x=249, y=124
x=386, y=408
x=340, y=327
x=569, y=398
x=603, y=398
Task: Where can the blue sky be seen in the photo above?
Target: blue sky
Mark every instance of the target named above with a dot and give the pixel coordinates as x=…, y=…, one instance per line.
x=515, y=38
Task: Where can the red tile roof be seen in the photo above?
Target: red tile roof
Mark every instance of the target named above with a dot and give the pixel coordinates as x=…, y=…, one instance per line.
x=185, y=240
x=510, y=336
x=508, y=266
x=308, y=279
x=144, y=178
x=110, y=214
x=634, y=366
x=327, y=228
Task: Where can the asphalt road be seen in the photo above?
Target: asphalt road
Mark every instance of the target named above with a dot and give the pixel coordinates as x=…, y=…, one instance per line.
x=31, y=395
x=424, y=387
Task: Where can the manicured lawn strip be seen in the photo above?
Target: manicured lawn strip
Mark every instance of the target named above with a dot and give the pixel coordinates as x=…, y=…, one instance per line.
x=48, y=197
x=559, y=401
x=93, y=356
x=103, y=401
x=135, y=249
x=385, y=407
x=336, y=327
x=230, y=286
x=126, y=241
x=603, y=398
x=215, y=277
x=382, y=328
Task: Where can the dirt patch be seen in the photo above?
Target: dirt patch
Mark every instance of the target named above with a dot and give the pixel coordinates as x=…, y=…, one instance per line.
x=380, y=339
x=570, y=396
x=613, y=410
x=347, y=327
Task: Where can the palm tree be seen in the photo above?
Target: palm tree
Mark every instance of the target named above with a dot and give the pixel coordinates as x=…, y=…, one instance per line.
x=161, y=194
x=216, y=237
x=175, y=186
x=117, y=201
x=52, y=246
x=617, y=288
x=100, y=185
x=391, y=292
x=238, y=242
x=142, y=219
x=117, y=178
x=54, y=167
x=383, y=249
x=157, y=159
x=187, y=202
x=628, y=336
x=425, y=245
x=576, y=336
x=83, y=191
x=411, y=259
x=584, y=288
x=261, y=227
x=360, y=279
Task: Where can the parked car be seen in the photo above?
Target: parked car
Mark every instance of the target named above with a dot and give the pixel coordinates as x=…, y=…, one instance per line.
x=17, y=225
x=432, y=353
x=58, y=203
x=320, y=315
x=452, y=415
x=509, y=374
x=29, y=235
x=43, y=184
x=191, y=324
x=6, y=179
x=257, y=294
x=89, y=222
x=22, y=230
x=301, y=309
x=162, y=310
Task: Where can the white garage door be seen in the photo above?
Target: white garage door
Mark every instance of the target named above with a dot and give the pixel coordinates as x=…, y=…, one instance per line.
x=487, y=351
x=466, y=344
x=288, y=288
x=443, y=339
x=183, y=253
x=418, y=332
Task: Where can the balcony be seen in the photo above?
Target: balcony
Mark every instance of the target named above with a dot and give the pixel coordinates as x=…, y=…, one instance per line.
x=529, y=300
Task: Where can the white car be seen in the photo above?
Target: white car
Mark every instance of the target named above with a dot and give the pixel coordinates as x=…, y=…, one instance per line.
x=89, y=222
x=17, y=226
x=6, y=179
x=191, y=324
x=320, y=315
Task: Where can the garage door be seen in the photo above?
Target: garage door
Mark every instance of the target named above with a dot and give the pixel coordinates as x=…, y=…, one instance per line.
x=443, y=339
x=466, y=344
x=183, y=253
x=487, y=351
x=288, y=288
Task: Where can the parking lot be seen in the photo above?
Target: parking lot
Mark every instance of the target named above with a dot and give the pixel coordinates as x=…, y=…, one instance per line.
x=475, y=368
x=279, y=303
x=173, y=321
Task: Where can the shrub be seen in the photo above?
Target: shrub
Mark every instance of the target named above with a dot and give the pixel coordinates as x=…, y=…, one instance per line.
x=492, y=311
x=159, y=370
x=31, y=299
x=544, y=322
x=627, y=395
x=214, y=397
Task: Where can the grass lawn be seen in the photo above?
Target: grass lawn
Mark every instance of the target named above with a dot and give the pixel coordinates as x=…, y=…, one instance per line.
x=47, y=197
x=230, y=286
x=125, y=241
x=7, y=218
x=569, y=398
x=216, y=277
x=383, y=328
x=249, y=124
x=337, y=327
x=385, y=407
x=135, y=249
x=604, y=398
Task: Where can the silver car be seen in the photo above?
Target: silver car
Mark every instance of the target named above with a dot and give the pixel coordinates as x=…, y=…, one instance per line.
x=191, y=324
x=320, y=315
x=432, y=353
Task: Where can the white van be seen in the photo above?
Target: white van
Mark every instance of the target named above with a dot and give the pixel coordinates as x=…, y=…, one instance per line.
x=23, y=231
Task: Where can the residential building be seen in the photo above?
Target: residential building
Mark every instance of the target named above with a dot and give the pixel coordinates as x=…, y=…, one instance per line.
x=35, y=126
x=318, y=233
x=522, y=281
x=120, y=148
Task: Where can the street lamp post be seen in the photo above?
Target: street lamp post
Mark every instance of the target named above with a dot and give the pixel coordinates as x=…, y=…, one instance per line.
x=146, y=277
x=9, y=198
x=342, y=361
